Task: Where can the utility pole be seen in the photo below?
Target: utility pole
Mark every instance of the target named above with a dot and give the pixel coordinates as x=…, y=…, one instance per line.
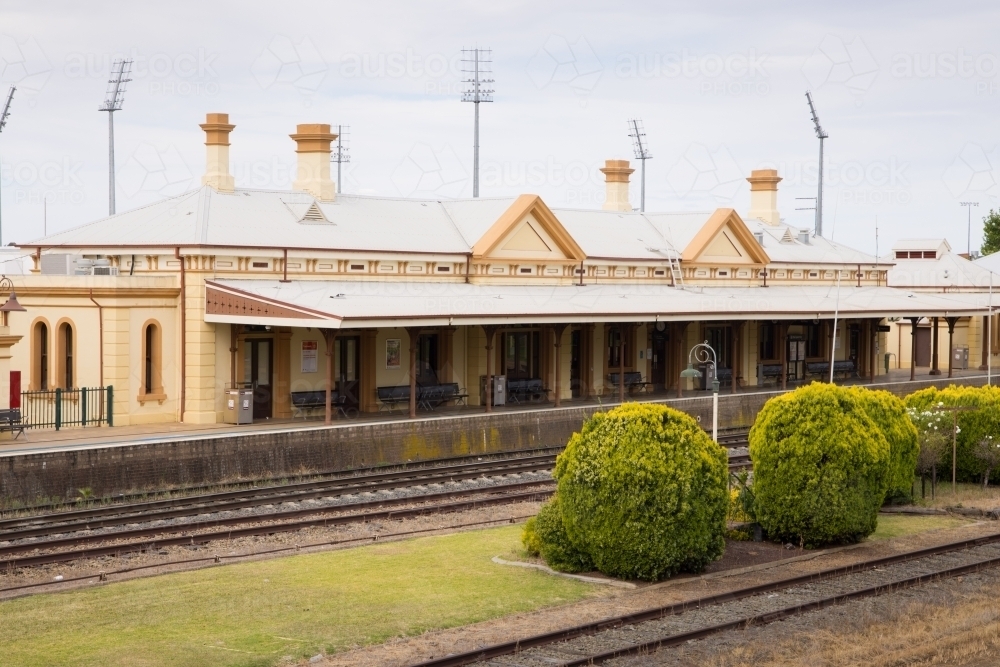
x=968, y=233
x=821, y=135
x=476, y=64
x=120, y=71
x=342, y=154
x=642, y=154
x=4, y=113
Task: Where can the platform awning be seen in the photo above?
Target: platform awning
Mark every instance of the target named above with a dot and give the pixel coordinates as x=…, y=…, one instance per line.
x=367, y=304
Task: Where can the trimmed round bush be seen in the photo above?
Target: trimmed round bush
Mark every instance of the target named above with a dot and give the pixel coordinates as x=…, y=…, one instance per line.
x=973, y=425
x=643, y=492
x=545, y=535
x=889, y=413
x=821, y=466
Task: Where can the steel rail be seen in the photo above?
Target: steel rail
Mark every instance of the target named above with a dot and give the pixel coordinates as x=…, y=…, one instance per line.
x=772, y=616
x=508, y=648
x=328, y=475
x=274, y=489
x=56, y=524
x=270, y=528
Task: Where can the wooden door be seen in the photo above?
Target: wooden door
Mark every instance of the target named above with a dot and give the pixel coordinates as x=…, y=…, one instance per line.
x=349, y=369
x=923, y=346
x=658, y=364
x=575, y=364
x=258, y=371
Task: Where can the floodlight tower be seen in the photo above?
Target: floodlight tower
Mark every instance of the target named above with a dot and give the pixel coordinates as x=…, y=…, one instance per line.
x=477, y=65
x=638, y=134
x=4, y=113
x=968, y=238
x=342, y=154
x=821, y=135
x=120, y=71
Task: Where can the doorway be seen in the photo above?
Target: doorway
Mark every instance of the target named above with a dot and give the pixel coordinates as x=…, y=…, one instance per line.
x=348, y=356
x=854, y=346
x=658, y=364
x=575, y=368
x=923, y=346
x=257, y=372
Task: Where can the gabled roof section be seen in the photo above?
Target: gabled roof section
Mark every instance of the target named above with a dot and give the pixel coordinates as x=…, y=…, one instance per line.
x=528, y=229
x=725, y=236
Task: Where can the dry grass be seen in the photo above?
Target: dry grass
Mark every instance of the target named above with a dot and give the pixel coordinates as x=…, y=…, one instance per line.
x=966, y=495
x=940, y=629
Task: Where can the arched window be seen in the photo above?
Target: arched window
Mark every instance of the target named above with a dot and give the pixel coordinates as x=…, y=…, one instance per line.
x=152, y=379
x=65, y=349
x=40, y=356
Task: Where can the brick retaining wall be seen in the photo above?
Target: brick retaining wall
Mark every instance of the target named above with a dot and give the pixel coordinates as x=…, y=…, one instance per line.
x=112, y=470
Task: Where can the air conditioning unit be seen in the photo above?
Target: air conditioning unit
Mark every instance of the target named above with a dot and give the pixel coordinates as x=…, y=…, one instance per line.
x=57, y=265
x=94, y=267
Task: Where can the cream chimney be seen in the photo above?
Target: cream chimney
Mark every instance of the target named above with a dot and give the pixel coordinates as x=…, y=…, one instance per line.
x=217, y=129
x=764, y=195
x=313, y=172
x=616, y=173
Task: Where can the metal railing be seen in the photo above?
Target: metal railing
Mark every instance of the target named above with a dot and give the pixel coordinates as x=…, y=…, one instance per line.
x=56, y=408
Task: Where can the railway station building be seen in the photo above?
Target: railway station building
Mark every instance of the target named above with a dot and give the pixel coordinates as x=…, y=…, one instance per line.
x=281, y=292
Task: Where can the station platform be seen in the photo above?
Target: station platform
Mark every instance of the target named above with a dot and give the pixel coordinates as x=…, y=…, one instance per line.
x=35, y=441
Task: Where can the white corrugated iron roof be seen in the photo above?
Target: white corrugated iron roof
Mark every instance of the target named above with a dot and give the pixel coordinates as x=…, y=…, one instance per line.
x=285, y=219
x=358, y=304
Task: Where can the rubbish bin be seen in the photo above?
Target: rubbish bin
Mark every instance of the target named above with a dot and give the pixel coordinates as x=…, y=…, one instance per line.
x=239, y=406
x=707, y=376
x=960, y=358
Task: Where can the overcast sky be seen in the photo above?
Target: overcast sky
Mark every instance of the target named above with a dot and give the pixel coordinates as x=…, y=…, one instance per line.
x=908, y=92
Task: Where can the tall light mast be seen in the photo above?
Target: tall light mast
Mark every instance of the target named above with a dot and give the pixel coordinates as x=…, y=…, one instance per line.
x=821, y=135
x=4, y=113
x=120, y=71
x=638, y=134
x=477, y=65
x=341, y=154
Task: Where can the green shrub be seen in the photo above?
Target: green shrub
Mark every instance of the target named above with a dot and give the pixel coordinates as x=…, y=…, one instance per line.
x=545, y=535
x=889, y=413
x=821, y=466
x=643, y=492
x=530, y=539
x=973, y=425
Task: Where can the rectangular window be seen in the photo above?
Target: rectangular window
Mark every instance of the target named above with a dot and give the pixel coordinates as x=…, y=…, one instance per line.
x=767, y=336
x=521, y=355
x=615, y=348
x=814, y=347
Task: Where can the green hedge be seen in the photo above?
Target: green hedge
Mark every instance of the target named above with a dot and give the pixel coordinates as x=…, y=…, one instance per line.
x=973, y=425
x=821, y=466
x=889, y=413
x=643, y=492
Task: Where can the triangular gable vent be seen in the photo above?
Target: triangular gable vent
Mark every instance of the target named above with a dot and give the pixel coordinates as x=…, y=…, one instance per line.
x=788, y=237
x=313, y=214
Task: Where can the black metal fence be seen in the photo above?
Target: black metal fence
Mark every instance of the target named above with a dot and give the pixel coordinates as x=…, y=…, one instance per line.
x=56, y=408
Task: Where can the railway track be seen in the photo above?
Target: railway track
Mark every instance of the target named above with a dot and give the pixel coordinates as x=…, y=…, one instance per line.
x=121, y=528
x=644, y=632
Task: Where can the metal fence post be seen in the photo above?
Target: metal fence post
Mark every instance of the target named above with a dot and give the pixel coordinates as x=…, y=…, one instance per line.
x=83, y=406
x=111, y=403
x=58, y=408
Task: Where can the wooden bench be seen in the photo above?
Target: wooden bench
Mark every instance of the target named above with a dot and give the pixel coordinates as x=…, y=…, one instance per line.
x=529, y=389
x=429, y=396
x=633, y=382
x=765, y=371
x=390, y=397
x=10, y=420
x=844, y=368
x=302, y=401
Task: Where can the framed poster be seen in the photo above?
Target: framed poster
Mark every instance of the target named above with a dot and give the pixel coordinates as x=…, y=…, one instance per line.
x=310, y=351
x=392, y=353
